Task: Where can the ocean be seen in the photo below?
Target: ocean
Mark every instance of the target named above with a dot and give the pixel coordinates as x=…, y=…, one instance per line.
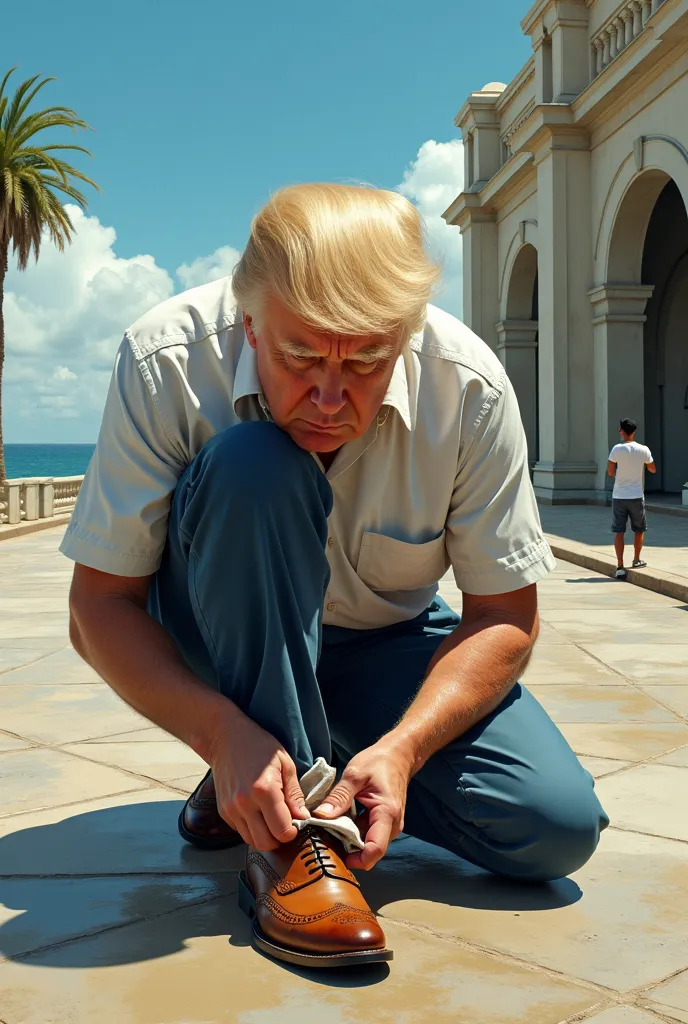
x=47, y=459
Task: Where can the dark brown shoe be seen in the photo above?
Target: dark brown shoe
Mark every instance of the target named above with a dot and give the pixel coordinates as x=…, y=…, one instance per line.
x=307, y=907
x=200, y=822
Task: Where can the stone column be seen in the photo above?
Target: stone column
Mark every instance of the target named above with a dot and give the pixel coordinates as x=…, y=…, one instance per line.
x=46, y=499
x=13, y=495
x=480, y=267
x=31, y=494
x=618, y=319
x=566, y=469
x=517, y=349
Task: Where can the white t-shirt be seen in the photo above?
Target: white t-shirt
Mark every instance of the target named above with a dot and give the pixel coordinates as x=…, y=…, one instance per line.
x=631, y=459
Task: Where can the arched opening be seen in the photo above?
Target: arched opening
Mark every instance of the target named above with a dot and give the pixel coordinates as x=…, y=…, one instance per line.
x=518, y=342
x=519, y=302
x=665, y=342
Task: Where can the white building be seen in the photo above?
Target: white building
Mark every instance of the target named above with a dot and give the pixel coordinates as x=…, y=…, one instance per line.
x=576, y=236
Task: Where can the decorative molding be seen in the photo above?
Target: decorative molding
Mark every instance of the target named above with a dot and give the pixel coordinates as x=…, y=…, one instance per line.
x=517, y=334
x=517, y=123
x=619, y=303
x=638, y=152
x=522, y=229
x=670, y=141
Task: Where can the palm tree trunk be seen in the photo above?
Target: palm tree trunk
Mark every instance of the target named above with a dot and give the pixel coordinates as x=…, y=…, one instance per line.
x=3, y=271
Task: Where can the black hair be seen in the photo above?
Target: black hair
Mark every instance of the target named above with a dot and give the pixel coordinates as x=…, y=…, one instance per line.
x=628, y=426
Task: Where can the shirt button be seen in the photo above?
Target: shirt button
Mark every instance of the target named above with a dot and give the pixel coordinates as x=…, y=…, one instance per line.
x=331, y=606
x=330, y=542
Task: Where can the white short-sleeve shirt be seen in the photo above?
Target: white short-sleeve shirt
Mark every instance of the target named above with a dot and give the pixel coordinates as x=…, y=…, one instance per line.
x=441, y=477
x=631, y=459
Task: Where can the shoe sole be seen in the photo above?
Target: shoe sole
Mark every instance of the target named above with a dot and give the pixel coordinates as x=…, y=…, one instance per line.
x=247, y=903
x=205, y=842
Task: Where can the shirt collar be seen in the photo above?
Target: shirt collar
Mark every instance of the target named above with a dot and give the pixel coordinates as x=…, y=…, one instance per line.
x=246, y=380
x=401, y=395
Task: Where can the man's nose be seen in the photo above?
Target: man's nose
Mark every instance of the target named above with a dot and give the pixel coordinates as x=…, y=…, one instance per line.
x=328, y=393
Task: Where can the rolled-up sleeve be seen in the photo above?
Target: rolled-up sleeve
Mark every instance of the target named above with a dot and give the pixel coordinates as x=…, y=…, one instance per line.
x=119, y=524
x=493, y=534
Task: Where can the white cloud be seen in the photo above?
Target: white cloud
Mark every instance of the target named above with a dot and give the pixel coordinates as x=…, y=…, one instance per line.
x=64, y=318
x=219, y=264
x=432, y=182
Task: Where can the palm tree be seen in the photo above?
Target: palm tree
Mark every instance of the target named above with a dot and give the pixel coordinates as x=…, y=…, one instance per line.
x=31, y=180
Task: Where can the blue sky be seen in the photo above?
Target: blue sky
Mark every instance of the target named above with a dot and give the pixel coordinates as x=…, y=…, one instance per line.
x=200, y=112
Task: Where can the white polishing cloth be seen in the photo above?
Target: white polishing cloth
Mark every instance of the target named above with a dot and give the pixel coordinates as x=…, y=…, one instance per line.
x=315, y=785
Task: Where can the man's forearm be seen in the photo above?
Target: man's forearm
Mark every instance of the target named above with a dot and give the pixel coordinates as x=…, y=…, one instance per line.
x=138, y=659
x=472, y=672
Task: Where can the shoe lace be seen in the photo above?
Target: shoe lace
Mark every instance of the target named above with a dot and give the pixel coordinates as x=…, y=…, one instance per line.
x=316, y=854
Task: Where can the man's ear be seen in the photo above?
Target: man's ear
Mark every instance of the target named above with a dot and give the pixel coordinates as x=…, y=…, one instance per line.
x=248, y=327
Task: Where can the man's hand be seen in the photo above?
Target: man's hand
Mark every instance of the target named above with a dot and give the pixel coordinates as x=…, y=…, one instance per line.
x=378, y=779
x=257, y=787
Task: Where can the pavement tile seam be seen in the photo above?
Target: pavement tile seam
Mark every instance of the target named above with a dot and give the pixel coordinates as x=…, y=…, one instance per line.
x=26, y=664
x=647, y=990
x=51, y=946
x=593, y=1012
x=629, y=682
x=508, y=959
x=653, y=835
x=80, y=757
x=647, y=688
x=73, y=803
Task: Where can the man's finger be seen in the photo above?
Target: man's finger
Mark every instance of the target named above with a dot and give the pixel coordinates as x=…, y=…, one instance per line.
x=293, y=794
x=277, y=816
x=242, y=828
x=339, y=799
x=261, y=836
x=376, y=842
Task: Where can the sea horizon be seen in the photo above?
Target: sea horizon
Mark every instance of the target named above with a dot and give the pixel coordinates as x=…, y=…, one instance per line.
x=49, y=458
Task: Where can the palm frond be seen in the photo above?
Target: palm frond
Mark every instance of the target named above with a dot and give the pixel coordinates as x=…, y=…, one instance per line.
x=22, y=97
x=34, y=179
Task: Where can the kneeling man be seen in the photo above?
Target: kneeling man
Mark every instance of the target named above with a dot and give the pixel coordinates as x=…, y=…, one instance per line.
x=288, y=463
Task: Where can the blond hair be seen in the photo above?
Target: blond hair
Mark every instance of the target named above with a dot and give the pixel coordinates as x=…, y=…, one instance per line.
x=343, y=258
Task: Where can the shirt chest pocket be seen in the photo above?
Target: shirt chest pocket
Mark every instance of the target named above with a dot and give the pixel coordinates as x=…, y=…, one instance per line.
x=388, y=564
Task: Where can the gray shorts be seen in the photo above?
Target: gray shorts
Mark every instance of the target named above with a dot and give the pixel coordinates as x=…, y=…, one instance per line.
x=624, y=509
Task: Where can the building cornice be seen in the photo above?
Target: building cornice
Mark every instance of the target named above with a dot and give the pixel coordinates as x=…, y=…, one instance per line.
x=516, y=84
x=480, y=109
x=467, y=209
x=535, y=12
x=563, y=14
x=508, y=180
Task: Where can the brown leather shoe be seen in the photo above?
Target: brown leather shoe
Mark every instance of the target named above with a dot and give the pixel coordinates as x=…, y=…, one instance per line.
x=200, y=822
x=307, y=906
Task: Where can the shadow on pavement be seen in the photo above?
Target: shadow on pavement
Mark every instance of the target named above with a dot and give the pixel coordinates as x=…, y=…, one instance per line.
x=99, y=871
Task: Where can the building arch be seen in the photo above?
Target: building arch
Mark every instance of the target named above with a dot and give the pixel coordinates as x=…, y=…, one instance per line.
x=641, y=308
x=517, y=338
x=629, y=204
x=527, y=234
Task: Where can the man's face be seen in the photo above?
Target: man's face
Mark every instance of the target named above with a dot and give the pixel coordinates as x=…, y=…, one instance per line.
x=322, y=389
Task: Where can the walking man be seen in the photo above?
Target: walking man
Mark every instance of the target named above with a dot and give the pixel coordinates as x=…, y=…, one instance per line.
x=627, y=462
x=289, y=462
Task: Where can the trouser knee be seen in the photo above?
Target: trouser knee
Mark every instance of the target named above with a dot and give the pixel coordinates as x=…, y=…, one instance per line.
x=559, y=840
x=252, y=470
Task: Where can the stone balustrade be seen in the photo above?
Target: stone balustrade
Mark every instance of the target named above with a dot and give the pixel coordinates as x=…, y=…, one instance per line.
x=626, y=25
x=34, y=498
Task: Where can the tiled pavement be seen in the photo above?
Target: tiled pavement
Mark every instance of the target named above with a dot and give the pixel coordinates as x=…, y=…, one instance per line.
x=105, y=916
x=666, y=540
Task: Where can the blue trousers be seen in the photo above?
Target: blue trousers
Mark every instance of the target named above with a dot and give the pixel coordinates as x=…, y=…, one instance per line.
x=240, y=590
